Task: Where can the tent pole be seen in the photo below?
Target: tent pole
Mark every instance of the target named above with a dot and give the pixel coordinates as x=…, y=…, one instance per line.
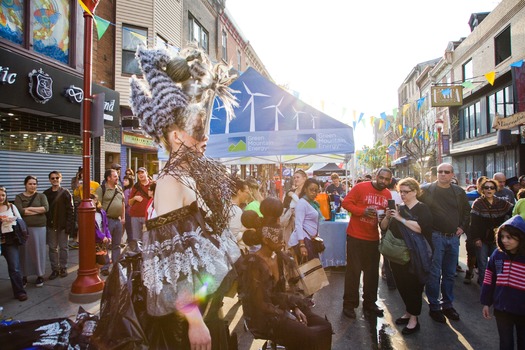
x=281, y=180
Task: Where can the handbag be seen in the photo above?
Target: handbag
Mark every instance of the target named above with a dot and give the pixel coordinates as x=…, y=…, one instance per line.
x=21, y=232
x=394, y=249
x=101, y=252
x=310, y=277
x=317, y=242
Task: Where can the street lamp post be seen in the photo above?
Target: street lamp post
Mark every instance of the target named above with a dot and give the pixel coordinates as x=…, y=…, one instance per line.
x=88, y=286
x=439, y=126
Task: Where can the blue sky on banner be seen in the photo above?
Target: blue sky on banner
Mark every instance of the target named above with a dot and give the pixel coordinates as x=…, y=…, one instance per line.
x=263, y=106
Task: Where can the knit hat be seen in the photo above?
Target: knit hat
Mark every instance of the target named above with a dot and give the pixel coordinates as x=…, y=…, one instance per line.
x=178, y=91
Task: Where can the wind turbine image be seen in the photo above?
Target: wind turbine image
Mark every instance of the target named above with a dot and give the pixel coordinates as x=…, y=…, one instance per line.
x=252, y=104
x=296, y=117
x=277, y=113
x=314, y=117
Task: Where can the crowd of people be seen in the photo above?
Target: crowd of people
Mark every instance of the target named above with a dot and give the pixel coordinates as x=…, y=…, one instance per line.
x=197, y=229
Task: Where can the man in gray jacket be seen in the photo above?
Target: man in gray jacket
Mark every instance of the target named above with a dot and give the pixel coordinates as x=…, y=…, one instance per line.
x=451, y=214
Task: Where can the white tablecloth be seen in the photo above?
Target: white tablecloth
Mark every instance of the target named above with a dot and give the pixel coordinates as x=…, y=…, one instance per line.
x=334, y=235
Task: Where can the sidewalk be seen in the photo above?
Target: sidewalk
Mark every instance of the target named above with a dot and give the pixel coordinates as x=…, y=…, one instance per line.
x=49, y=301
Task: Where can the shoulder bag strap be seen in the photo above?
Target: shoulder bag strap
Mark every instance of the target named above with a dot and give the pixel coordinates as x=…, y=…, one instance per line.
x=317, y=233
x=32, y=199
x=111, y=201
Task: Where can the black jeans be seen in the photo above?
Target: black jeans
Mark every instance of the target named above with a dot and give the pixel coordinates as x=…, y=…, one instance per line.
x=506, y=323
x=363, y=256
x=409, y=287
x=317, y=335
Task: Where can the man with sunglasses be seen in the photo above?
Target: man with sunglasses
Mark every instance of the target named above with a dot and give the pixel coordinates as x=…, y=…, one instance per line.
x=59, y=224
x=367, y=202
x=451, y=214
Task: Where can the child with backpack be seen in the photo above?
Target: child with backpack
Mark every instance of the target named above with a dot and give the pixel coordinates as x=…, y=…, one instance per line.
x=102, y=233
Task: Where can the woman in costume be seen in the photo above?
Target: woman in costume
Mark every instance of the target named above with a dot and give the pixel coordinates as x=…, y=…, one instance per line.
x=187, y=251
x=270, y=310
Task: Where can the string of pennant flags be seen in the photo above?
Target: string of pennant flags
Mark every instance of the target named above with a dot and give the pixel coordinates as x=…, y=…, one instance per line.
x=102, y=25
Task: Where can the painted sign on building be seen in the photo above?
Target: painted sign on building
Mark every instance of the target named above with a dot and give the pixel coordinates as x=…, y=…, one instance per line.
x=446, y=96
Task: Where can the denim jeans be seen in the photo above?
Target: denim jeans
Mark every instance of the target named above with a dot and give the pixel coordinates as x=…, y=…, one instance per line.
x=57, y=240
x=442, y=271
x=506, y=323
x=12, y=257
x=137, y=222
x=482, y=256
x=115, y=228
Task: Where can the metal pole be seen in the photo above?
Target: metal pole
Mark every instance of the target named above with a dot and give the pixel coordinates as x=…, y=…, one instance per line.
x=88, y=285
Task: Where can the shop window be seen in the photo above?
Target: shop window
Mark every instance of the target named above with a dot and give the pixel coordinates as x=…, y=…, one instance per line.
x=470, y=122
x=132, y=37
x=500, y=103
x=198, y=34
x=502, y=46
x=48, y=26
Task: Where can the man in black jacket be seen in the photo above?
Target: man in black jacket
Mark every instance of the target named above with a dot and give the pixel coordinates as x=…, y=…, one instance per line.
x=59, y=224
x=451, y=214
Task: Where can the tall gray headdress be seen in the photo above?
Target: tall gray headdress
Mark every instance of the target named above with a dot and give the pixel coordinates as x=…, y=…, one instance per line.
x=175, y=89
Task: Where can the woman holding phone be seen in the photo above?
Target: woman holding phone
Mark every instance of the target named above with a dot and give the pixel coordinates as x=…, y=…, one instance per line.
x=417, y=217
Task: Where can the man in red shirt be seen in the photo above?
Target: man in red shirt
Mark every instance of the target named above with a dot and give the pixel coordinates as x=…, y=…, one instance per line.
x=366, y=201
x=138, y=201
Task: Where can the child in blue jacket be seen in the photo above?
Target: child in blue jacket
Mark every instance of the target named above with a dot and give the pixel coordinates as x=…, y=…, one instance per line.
x=504, y=283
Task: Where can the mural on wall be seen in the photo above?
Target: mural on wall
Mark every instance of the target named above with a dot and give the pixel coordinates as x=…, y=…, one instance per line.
x=11, y=20
x=50, y=23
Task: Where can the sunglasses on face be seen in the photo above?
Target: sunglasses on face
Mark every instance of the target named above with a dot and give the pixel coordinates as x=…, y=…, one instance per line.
x=444, y=172
x=489, y=188
x=54, y=178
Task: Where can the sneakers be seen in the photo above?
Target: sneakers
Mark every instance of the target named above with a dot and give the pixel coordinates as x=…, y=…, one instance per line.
x=468, y=277
x=39, y=282
x=54, y=275
x=437, y=315
x=349, y=312
x=104, y=272
x=451, y=314
x=63, y=272
x=73, y=245
x=24, y=281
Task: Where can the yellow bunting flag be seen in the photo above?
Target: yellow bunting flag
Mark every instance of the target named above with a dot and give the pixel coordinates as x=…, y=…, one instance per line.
x=372, y=120
x=414, y=132
x=381, y=121
x=400, y=128
x=84, y=7
x=406, y=106
x=490, y=76
x=137, y=35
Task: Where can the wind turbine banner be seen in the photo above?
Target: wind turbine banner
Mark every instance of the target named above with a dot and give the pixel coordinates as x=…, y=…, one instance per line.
x=271, y=122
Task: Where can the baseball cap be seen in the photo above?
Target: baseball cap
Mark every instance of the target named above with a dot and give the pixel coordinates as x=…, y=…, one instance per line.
x=142, y=169
x=115, y=166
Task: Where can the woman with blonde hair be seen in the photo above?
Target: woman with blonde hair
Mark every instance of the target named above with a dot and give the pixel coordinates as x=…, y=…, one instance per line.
x=416, y=217
x=256, y=196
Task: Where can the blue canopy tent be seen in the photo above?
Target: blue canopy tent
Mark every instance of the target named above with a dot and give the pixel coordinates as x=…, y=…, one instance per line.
x=273, y=126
